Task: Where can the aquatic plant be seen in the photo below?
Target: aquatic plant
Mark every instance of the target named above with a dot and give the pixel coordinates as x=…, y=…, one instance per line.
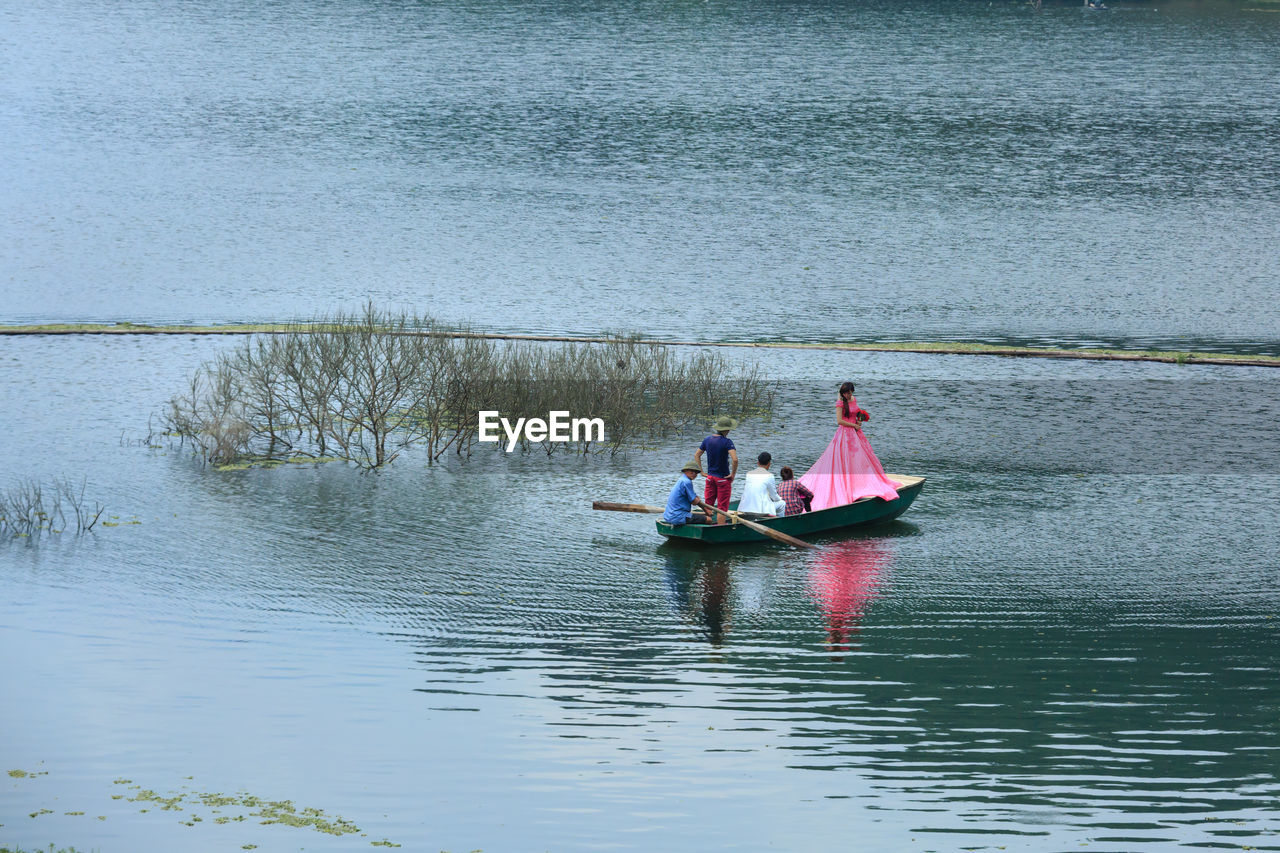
x=268, y=812
x=364, y=387
x=30, y=509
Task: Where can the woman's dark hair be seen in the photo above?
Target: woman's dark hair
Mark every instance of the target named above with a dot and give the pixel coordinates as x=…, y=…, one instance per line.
x=844, y=404
x=764, y=458
x=787, y=473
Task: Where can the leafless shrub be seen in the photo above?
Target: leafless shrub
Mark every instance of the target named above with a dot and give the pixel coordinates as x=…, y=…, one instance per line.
x=364, y=387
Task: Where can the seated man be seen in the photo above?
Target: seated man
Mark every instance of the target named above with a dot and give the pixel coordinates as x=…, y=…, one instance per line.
x=682, y=499
x=794, y=493
x=760, y=494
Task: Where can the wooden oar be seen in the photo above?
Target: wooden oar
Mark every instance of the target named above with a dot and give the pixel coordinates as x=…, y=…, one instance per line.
x=633, y=507
x=626, y=507
x=770, y=532
x=735, y=517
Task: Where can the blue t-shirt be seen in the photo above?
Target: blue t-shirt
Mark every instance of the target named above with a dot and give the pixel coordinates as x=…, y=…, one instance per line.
x=717, y=448
x=680, y=501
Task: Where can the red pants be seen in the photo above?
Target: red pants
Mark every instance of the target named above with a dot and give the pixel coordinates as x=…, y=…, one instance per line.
x=717, y=492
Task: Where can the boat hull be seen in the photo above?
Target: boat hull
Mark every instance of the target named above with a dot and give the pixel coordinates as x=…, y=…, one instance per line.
x=859, y=513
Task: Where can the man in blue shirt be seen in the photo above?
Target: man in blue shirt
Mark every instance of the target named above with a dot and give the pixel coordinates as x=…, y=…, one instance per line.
x=682, y=499
x=722, y=463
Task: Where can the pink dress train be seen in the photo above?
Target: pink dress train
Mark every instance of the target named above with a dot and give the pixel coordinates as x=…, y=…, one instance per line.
x=847, y=470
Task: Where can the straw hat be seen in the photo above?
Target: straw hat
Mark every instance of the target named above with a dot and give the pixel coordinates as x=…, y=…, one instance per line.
x=723, y=424
x=691, y=466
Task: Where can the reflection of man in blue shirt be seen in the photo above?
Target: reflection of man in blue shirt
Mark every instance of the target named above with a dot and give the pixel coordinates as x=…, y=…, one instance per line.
x=682, y=499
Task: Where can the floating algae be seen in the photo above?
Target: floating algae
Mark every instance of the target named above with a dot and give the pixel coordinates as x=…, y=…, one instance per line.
x=268, y=812
x=193, y=803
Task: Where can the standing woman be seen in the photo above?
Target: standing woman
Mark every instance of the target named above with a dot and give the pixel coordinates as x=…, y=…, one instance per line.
x=847, y=469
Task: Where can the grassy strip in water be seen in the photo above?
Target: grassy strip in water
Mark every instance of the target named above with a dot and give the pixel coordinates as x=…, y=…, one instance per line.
x=1089, y=354
x=142, y=329
x=930, y=347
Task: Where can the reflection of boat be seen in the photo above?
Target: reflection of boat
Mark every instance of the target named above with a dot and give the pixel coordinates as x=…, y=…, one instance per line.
x=860, y=512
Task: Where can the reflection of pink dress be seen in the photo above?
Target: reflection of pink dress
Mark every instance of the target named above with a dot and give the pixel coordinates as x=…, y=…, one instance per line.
x=843, y=579
x=847, y=470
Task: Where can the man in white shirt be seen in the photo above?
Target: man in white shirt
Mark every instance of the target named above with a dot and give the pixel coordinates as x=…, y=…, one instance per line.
x=760, y=490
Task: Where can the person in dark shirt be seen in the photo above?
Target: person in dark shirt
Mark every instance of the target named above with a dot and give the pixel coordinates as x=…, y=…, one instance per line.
x=722, y=463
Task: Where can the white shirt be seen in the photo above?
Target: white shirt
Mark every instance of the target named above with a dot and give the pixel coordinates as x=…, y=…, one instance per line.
x=760, y=493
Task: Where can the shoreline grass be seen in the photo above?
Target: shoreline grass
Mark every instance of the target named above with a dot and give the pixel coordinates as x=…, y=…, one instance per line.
x=920, y=347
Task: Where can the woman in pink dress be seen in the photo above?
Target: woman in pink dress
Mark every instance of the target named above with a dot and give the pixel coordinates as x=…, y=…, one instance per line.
x=847, y=469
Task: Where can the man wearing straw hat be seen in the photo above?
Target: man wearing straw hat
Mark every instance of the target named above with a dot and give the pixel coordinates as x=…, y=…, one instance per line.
x=722, y=463
x=682, y=498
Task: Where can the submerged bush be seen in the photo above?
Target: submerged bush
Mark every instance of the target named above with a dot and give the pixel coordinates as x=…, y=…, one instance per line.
x=364, y=387
x=30, y=509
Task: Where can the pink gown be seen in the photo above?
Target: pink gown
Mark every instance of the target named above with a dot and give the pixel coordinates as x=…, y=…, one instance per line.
x=847, y=470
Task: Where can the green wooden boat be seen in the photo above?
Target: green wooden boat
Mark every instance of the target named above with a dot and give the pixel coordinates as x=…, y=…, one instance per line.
x=860, y=512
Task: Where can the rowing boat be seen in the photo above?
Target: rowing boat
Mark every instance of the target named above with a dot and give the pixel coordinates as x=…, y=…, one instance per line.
x=871, y=510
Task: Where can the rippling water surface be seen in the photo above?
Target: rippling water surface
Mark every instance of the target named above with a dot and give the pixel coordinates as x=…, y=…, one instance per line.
x=1070, y=642
x=804, y=170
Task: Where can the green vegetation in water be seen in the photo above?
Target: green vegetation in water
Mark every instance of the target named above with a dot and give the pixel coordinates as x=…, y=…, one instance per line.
x=126, y=328
x=27, y=774
x=266, y=462
x=1091, y=353
x=49, y=849
x=192, y=803
x=268, y=812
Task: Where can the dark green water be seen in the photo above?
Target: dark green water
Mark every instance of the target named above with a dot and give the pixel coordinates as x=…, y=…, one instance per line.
x=1069, y=640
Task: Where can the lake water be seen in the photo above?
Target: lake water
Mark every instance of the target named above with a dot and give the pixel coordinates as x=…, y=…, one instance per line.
x=730, y=170
x=1070, y=639
x=1069, y=642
